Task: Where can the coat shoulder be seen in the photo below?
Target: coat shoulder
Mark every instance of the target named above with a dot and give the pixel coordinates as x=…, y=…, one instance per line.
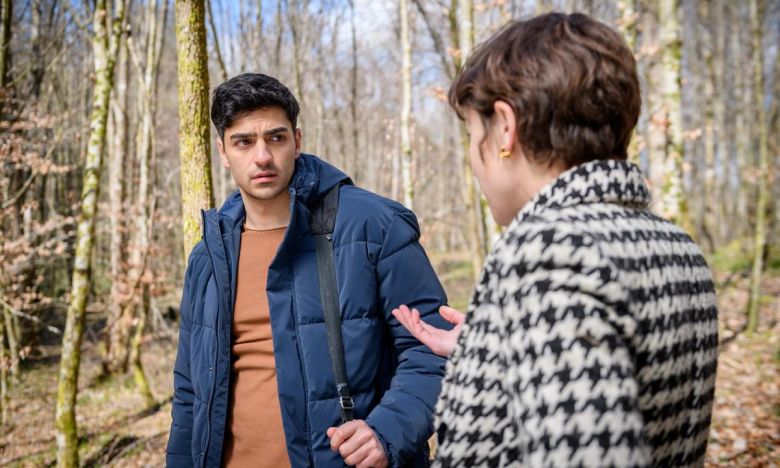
x=369, y=205
x=366, y=216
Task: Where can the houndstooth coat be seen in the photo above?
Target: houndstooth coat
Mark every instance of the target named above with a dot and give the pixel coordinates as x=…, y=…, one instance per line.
x=591, y=338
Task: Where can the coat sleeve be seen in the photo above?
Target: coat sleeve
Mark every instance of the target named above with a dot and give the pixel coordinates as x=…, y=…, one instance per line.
x=179, y=451
x=570, y=373
x=403, y=419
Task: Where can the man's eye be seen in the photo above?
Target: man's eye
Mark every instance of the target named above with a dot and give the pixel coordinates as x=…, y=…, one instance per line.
x=277, y=138
x=243, y=143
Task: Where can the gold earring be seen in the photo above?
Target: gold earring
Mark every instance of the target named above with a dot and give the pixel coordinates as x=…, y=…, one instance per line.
x=504, y=153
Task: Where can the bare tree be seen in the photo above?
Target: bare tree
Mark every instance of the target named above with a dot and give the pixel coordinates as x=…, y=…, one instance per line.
x=759, y=243
x=406, y=107
x=105, y=46
x=118, y=126
x=5, y=39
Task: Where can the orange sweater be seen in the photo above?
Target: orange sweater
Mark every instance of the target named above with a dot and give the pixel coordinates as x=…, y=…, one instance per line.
x=254, y=436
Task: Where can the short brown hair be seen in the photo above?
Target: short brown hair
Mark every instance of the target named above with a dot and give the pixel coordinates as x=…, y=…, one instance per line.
x=570, y=80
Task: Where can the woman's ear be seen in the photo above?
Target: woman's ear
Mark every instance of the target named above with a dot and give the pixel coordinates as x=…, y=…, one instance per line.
x=506, y=125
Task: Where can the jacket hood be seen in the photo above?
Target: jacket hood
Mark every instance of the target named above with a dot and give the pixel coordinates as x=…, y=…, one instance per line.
x=311, y=180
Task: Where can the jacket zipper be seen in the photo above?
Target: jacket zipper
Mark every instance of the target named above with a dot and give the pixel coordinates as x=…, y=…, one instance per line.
x=298, y=341
x=205, y=450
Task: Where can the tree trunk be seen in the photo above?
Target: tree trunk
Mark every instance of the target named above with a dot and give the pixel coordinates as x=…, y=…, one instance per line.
x=139, y=375
x=194, y=149
x=406, y=107
x=116, y=193
x=627, y=25
x=293, y=18
x=121, y=330
x=3, y=377
x=12, y=335
x=353, y=113
x=37, y=63
x=458, y=36
x=5, y=39
x=673, y=202
x=259, y=43
x=217, y=49
x=279, y=35
x=759, y=242
x=105, y=51
x=462, y=34
x=223, y=176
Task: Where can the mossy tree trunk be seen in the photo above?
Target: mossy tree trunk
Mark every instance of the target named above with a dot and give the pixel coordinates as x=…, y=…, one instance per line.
x=12, y=341
x=105, y=51
x=759, y=243
x=194, y=147
x=673, y=202
x=139, y=375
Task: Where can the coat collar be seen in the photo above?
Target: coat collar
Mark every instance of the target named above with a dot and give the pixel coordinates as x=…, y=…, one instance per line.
x=311, y=180
x=601, y=181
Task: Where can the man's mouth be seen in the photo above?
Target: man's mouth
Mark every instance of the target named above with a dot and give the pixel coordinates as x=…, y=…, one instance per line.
x=263, y=177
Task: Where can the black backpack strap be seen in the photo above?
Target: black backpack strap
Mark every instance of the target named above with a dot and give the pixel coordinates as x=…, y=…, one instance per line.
x=323, y=221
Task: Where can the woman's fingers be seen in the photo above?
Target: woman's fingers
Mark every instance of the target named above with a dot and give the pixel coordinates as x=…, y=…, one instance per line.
x=406, y=317
x=441, y=342
x=451, y=315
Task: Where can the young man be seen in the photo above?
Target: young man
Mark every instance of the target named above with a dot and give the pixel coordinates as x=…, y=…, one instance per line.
x=253, y=380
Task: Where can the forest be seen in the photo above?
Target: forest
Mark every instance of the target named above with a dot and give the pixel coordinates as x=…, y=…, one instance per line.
x=108, y=156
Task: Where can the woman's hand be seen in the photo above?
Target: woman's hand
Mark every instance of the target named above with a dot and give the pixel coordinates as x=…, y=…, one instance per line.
x=441, y=342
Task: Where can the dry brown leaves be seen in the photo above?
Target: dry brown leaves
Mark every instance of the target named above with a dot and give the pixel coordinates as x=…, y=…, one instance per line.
x=745, y=427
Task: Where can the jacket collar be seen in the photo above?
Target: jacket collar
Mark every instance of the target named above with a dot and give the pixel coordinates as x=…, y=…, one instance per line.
x=311, y=180
x=601, y=181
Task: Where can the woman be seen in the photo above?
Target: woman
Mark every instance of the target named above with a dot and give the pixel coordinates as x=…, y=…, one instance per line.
x=591, y=337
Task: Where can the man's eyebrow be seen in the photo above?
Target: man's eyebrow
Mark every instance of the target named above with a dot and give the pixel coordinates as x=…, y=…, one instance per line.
x=241, y=136
x=275, y=131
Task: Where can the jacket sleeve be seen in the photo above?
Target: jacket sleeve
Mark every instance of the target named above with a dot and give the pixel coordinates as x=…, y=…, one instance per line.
x=179, y=451
x=570, y=367
x=403, y=419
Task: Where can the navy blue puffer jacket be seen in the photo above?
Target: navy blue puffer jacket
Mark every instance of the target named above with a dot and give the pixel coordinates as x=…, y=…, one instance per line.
x=394, y=379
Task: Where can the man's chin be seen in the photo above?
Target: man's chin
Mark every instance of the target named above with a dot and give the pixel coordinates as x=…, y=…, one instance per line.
x=265, y=194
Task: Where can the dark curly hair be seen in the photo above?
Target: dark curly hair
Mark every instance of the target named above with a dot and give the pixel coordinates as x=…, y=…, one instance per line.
x=248, y=92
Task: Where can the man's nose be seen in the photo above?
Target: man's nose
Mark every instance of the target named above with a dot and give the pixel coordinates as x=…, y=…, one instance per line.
x=262, y=155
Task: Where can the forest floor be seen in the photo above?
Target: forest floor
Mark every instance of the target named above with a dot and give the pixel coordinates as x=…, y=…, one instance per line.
x=116, y=430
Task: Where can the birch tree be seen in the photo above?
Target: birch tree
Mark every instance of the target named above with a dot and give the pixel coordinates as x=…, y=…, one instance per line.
x=759, y=243
x=462, y=31
x=156, y=19
x=105, y=46
x=118, y=127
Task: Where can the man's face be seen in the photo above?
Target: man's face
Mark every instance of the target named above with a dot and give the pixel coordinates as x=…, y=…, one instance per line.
x=260, y=149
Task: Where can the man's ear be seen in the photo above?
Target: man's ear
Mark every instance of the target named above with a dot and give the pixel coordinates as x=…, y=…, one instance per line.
x=222, y=156
x=506, y=125
x=298, y=138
